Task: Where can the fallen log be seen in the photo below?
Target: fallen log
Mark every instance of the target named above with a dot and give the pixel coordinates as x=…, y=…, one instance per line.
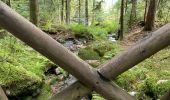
x=127, y=59
x=44, y=44
x=2, y=95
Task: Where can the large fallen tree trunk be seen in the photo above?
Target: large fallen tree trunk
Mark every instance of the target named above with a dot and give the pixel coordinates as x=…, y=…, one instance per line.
x=126, y=60
x=2, y=95
x=57, y=53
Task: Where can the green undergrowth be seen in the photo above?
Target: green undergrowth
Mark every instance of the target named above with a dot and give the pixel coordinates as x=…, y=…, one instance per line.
x=144, y=78
x=22, y=68
x=150, y=79
x=97, y=32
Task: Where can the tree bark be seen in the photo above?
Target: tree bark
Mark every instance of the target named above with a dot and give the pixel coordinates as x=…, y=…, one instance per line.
x=34, y=11
x=79, y=11
x=150, y=19
x=127, y=59
x=146, y=7
x=68, y=11
x=94, y=13
x=57, y=53
x=62, y=11
x=133, y=13
x=2, y=95
x=120, y=35
x=86, y=13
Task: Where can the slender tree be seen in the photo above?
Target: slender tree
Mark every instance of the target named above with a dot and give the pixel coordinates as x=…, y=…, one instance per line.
x=146, y=7
x=126, y=6
x=62, y=10
x=94, y=5
x=34, y=11
x=79, y=11
x=120, y=33
x=68, y=11
x=150, y=19
x=86, y=13
x=133, y=13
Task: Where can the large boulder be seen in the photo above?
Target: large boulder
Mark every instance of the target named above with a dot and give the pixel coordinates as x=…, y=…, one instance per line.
x=17, y=80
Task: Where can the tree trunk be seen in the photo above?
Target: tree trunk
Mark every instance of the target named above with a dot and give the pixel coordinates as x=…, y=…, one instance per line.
x=133, y=13
x=93, y=16
x=146, y=7
x=62, y=11
x=57, y=53
x=120, y=34
x=2, y=95
x=86, y=13
x=34, y=11
x=68, y=11
x=150, y=19
x=79, y=11
x=125, y=60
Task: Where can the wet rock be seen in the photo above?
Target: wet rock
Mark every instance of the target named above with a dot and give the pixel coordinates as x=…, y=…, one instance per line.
x=94, y=63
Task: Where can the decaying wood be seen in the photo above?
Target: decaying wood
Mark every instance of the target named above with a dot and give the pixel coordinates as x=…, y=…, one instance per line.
x=44, y=44
x=130, y=57
x=2, y=95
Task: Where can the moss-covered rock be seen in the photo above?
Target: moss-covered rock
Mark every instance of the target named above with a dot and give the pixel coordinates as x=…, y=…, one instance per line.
x=102, y=47
x=21, y=70
x=17, y=80
x=88, y=54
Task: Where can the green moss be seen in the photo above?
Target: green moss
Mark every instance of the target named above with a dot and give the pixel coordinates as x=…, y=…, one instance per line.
x=88, y=54
x=46, y=92
x=22, y=68
x=143, y=77
x=103, y=47
x=17, y=80
x=97, y=97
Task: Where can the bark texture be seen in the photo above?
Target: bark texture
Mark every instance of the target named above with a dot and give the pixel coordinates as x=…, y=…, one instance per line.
x=62, y=11
x=34, y=11
x=68, y=11
x=86, y=13
x=150, y=19
x=121, y=20
x=133, y=13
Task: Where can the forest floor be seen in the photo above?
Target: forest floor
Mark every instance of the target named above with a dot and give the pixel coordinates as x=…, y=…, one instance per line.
x=48, y=79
